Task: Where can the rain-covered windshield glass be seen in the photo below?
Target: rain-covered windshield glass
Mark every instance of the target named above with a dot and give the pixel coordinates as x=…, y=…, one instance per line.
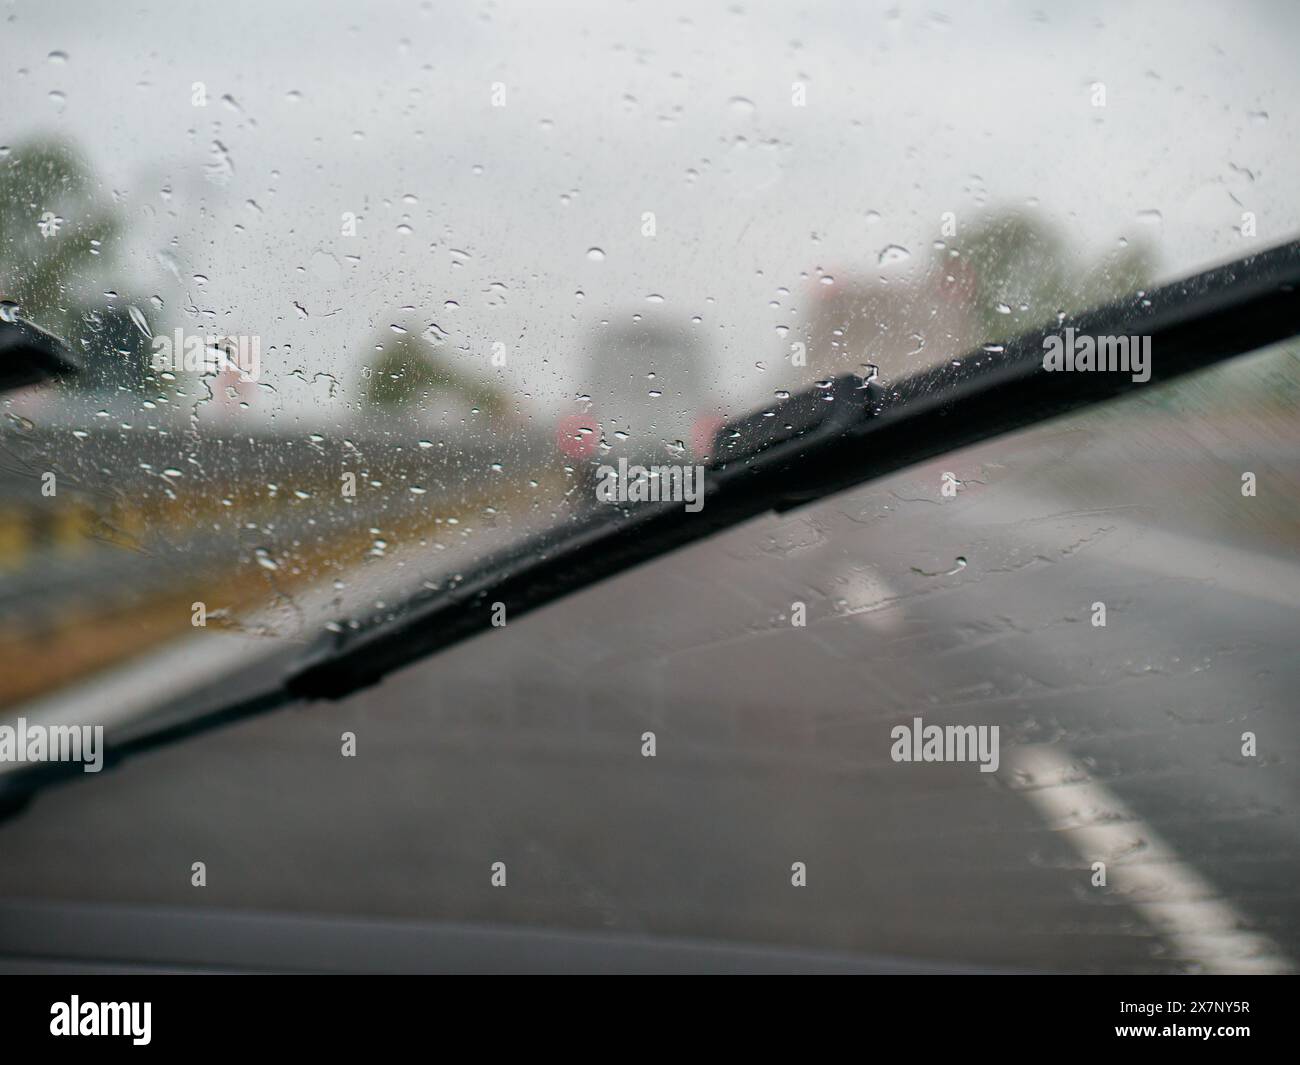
x=350, y=325
x=365, y=294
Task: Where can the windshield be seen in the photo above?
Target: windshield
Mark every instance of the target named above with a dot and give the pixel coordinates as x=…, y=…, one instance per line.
x=372, y=294
x=350, y=328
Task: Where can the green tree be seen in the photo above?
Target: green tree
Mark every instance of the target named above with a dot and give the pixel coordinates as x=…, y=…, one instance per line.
x=407, y=373
x=1023, y=267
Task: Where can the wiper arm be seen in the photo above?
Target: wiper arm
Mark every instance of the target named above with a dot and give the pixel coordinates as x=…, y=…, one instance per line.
x=30, y=355
x=816, y=443
x=828, y=439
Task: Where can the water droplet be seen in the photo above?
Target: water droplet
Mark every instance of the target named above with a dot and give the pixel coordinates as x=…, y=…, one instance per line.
x=595, y=255
x=137, y=316
x=893, y=253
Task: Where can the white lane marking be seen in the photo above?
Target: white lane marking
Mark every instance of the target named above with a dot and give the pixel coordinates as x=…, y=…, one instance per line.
x=1141, y=868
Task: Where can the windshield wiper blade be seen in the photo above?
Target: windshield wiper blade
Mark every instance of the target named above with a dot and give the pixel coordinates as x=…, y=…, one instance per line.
x=844, y=433
x=825, y=440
